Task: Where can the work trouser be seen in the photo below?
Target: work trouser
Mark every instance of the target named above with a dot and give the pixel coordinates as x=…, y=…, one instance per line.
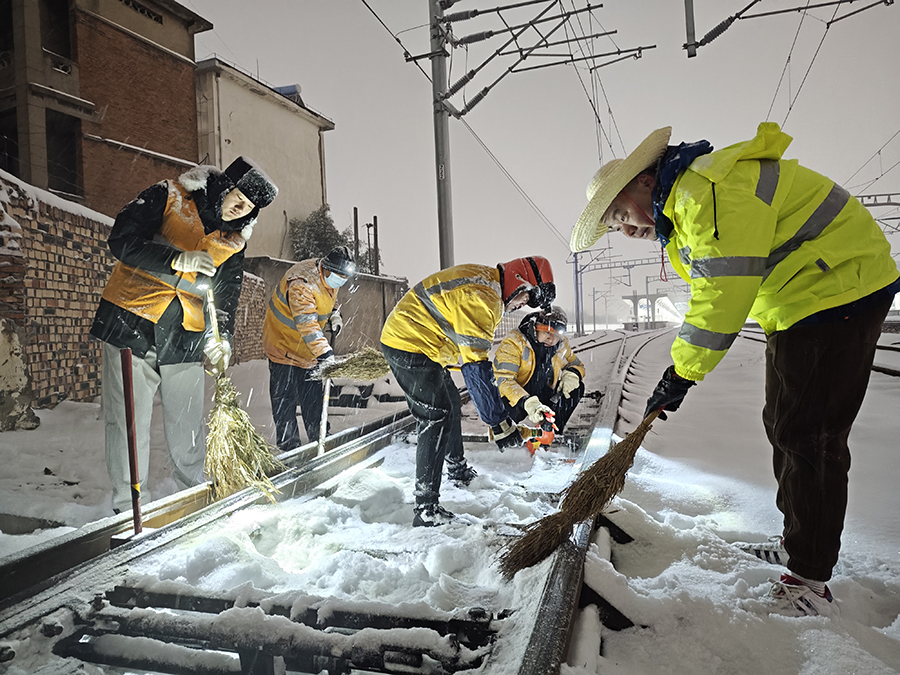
x=290, y=386
x=561, y=406
x=816, y=379
x=181, y=388
x=434, y=402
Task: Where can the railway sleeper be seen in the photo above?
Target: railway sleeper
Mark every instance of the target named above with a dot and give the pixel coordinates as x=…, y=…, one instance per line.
x=195, y=633
x=249, y=640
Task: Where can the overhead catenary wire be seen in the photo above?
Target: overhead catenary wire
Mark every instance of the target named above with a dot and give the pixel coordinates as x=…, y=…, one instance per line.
x=564, y=240
x=876, y=154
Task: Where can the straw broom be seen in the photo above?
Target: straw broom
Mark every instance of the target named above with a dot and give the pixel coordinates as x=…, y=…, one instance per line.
x=365, y=365
x=584, y=498
x=236, y=455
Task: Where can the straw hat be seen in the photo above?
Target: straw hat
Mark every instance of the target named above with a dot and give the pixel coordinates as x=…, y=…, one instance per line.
x=609, y=181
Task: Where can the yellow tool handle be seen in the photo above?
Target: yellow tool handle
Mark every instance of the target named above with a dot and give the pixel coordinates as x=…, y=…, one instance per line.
x=218, y=368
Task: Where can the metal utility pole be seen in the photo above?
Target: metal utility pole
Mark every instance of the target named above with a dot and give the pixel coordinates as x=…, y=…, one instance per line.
x=441, y=132
x=579, y=319
x=355, y=234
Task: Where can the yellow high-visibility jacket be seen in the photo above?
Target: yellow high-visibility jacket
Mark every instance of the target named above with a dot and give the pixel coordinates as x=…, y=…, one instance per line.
x=448, y=316
x=514, y=363
x=760, y=236
x=297, y=312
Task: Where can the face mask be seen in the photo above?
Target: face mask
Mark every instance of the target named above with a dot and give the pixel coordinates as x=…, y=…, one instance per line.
x=334, y=280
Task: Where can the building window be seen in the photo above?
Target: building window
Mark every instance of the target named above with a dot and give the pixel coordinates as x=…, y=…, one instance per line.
x=9, y=146
x=6, y=34
x=63, y=167
x=55, y=36
x=141, y=9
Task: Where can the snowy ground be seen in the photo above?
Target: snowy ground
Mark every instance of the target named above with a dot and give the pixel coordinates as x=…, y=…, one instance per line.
x=701, y=481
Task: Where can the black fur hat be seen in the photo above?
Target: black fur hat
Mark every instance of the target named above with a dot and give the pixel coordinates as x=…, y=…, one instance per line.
x=252, y=181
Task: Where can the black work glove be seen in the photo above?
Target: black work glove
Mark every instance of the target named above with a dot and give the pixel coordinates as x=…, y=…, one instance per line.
x=506, y=435
x=669, y=393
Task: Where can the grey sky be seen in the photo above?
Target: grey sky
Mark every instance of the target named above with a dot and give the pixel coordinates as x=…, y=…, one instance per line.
x=540, y=125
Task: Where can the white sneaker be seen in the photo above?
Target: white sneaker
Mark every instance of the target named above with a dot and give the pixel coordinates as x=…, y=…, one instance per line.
x=771, y=551
x=793, y=598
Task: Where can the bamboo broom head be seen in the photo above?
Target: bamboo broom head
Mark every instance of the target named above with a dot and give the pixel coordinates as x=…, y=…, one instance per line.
x=539, y=541
x=236, y=455
x=596, y=486
x=584, y=498
x=365, y=365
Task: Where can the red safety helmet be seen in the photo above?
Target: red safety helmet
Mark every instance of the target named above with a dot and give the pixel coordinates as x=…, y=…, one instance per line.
x=532, y=274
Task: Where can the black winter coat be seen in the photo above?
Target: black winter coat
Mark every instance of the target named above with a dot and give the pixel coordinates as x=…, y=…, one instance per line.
x=131, y=241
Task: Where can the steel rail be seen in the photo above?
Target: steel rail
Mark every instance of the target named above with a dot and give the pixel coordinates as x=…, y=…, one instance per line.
x=29, y=602
x=39, y=563
x=25, y=601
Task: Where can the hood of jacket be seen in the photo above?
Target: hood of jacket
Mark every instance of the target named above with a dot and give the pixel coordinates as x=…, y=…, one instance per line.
x=770, y=142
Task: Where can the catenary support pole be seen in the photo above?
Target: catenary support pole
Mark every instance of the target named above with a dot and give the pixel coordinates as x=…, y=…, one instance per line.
x=441, y=132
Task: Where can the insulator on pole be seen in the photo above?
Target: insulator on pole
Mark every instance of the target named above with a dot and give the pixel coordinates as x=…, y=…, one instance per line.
x=475, y=37
x=462, y=16
x=475, y=100
x=460, y=83
x=717, y=31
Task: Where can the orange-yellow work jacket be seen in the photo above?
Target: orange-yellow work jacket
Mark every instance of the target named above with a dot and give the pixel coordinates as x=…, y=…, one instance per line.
x=296, y=316
x=514, y=364
x=148, y=294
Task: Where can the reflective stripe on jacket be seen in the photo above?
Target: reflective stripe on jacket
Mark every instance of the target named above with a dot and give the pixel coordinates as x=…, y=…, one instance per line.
x=147, y=293
x=514, y=364
x=756, y=235
x=448, y=316
x=297, y=312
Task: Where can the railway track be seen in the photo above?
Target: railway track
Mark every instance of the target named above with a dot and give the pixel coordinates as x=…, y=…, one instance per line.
x=77, y=596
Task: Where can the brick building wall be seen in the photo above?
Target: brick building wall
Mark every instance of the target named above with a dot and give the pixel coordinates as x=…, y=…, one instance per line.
x=147, y=100
x=65, y=265
x=249, y=319
x=54, y=264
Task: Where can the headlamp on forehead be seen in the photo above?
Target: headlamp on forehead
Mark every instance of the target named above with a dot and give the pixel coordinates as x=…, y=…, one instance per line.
x=553, y=320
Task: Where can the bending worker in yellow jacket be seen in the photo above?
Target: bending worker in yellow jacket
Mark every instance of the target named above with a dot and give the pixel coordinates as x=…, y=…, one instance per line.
x=446, y=318
x=761, y=236
x=295, y=343
x=536, y=370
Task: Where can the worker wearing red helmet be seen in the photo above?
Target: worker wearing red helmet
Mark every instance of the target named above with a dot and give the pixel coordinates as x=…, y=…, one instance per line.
x=448, y=318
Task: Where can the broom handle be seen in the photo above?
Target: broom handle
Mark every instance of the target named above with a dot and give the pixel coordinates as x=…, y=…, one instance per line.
x=652, y=416
x=214, y=323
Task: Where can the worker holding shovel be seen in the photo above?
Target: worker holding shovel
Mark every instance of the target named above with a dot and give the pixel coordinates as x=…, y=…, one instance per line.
x=537, y=373
x=174, y=240
x=763, y=237
x=295, y=343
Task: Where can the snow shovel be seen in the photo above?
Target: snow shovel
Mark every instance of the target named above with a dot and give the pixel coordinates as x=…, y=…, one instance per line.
x=584, y=498
x=237, y=456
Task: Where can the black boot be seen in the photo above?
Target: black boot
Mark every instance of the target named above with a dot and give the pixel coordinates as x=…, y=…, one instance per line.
x=460, y=473
x=431, y=515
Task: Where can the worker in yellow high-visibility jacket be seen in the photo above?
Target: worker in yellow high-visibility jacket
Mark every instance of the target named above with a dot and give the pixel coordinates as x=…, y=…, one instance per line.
x=449, y=318
x=763, y=237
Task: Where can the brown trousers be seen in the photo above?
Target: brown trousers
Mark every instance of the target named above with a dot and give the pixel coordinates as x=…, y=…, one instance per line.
x=816, y=379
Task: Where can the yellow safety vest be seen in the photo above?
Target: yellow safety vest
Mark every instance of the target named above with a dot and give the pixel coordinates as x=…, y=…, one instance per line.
x=514, y=364
x=147, y=293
